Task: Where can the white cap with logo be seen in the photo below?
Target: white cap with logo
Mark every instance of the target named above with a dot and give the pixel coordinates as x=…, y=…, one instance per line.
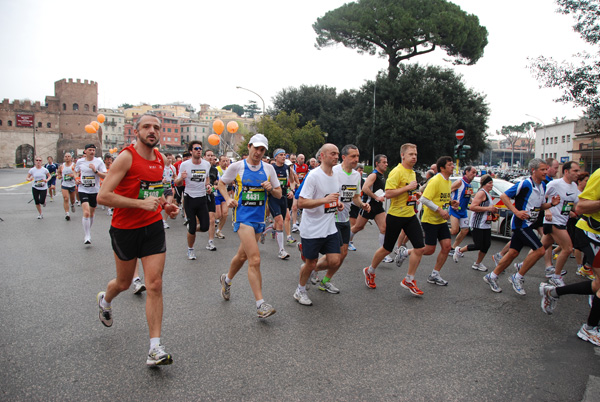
x=259, y=140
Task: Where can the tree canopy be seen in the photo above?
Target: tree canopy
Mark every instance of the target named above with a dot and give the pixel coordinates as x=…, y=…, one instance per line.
x=401, y=29
x=579, y=82
x=237, y=109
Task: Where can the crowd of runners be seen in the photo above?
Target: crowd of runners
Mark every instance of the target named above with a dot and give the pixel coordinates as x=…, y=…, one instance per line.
x=261, y=196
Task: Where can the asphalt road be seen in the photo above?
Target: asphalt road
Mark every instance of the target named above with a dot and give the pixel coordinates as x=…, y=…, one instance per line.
x=459, y=342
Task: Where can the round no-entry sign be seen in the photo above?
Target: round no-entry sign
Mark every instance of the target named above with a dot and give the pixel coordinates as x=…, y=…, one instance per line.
x=460, y=134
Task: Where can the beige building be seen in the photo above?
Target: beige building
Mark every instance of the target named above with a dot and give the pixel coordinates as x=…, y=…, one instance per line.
x=140, y=109
x=113, y=129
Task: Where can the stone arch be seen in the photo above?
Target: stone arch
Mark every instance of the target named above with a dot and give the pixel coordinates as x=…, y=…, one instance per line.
x=24, y=151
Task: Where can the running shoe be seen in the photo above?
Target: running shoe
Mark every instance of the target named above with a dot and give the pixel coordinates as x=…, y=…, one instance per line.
x=437, y=280
x=301, y=253
x=589, y=334
x=211, y=246
x=388, y=259
x=191, y=254
x=401, y=256
x=369, y=278
x=72, y=207
x=265, y=310
x=496, y=257
x=291, y=240
x=219, y=235
x=283, y=255
x=551, y=270
x=586, y=273
x=105, y=314
x=295, y=228
x=138, y=286
x=451, y=253
x=351, y=246
x=548, y=302
x=225, y=288
x=40, y=217
x=493, y=283
x=457, y=254
x=87, y=240
x=517, y=284
x=517, y=266
x=554, y=281
x=328, y=287
x=186, y=221
x=314, y=277
x=479, y=267
x=158, y=357
x=78, y=203
x=67, y=217
x=411, y=286
x=262, y=238
x=109, y=212
x=166, y=225
x=302, y=297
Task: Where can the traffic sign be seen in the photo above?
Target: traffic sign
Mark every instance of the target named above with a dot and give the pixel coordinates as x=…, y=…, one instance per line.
x=460, y=134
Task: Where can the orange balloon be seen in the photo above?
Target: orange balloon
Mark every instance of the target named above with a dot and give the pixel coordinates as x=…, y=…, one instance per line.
x=90, y=129
x=232, y=127
x=214, y=139
x=218, y=126
x=95, y=124
x=101, y=118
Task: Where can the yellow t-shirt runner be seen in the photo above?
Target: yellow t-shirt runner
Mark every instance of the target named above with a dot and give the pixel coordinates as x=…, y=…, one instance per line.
x=591, y=192
x=438, y=191
x=402, y=206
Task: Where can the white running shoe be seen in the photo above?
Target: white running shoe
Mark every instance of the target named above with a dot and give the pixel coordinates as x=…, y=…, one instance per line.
x=302, y=297
x=457, y=254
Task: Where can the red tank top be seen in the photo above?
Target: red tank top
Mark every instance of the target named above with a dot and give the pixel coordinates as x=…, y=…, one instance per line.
x=301, y=171
x=143, y=179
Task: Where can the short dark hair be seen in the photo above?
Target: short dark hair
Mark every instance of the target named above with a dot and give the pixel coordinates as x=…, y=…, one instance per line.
x=347, y=148
x=549, y=161
x=187, y=154
x=378, y=158
x=568, y=165
x=468, y=169
x=442, y=162
x=192, y=143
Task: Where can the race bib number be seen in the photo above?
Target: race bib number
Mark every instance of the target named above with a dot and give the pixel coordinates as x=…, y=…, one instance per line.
x=88, y=181
x=198, y=175
x=567, y=207
x=491, y=217
x=38, y=183
x=150, y=189
x=533, y=214
x=412, y=199
x=330, y=207
x=301, y=176
x=468, y=192
x=68, y=177
x=253, y=196
x=446, y=206
x=283, y=181
x=347, y=193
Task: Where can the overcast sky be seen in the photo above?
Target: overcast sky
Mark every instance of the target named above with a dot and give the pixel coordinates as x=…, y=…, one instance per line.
x=199, y=51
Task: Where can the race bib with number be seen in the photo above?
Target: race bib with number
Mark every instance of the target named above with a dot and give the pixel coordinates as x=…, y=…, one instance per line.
x=412, y=199
x=330, y=207
x=468, y=192
x=283, y=181
x=198, y=175
x=68, y=177
x=150, y=189
x=492, y=217
x=38, y=183
x=348, y=192
x=88, y=181
x=533, y=214
x=567, y=207
x=253, y=196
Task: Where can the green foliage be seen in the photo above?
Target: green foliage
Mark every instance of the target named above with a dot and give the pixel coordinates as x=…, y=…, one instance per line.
x=237, y=109
x=401, y=29
x=126, y=106
x=579, y=83
x=285, y=131
x=251, y=109
x=516, y=132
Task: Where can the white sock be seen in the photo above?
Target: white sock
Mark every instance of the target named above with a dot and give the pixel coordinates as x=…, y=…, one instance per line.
x=259, y=302
x=493, y=276
x=135, y=279
x=104, y=303
x=301, y=288
x=381, y=238
x=227, y=280
x=154, y=342
x=371, y=270
x=518, y=276
x=279, y=236
x=86, y=226
x=351, y=236
x=410, y=278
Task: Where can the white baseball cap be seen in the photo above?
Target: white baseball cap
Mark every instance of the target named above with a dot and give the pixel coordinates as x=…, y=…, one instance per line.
x=259, y=140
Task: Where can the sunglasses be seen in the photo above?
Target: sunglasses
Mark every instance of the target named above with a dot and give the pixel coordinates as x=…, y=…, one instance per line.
x=197, y=148
x=38, y=160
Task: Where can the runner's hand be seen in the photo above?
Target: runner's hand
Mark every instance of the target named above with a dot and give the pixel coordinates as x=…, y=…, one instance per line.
x=149, y=204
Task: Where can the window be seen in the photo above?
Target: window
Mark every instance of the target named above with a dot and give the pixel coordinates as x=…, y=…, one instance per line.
x=555, y=155
x=0, y=122
x=195, y=129
x=556, y=140
x=75, y=107
x=563, y=139
x=64, y=106
x=94, y=108
x=39, y=124
x=568, y=138
x=86, y=107
x=175, y=130
x=164, y=138
x=168, y=130
x=49, y=125
x=168, y=138
x=203, y=129
x=10, y=123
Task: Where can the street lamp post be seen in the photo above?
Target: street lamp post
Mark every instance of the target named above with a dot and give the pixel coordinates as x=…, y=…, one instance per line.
x=249, y=90
x=544, y=126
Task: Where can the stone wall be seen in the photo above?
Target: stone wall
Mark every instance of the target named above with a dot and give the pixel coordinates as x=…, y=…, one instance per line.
x=11, y=140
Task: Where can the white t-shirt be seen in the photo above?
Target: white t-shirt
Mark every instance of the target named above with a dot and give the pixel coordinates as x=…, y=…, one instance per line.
x=90, y=181
x=349, y=185
x=195, y=182
x=237, y=169
x=39, y=178
x=568, y=198
x=169, y=174
x=68, y=175
x=319, y=222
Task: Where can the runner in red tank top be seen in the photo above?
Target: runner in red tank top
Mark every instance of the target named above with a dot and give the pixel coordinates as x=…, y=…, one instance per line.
x=301, y=169
x=134, y=189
